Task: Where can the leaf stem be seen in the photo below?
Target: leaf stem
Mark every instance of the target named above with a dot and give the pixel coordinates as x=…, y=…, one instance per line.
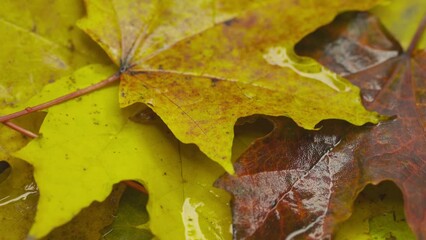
x=6, y=119
x=78, y=93
x=417, y=36
x=20, y=129
x=136, y=186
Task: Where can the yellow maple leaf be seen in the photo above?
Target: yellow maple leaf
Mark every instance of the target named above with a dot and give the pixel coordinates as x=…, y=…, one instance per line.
x=89, y=144
x=201, y=65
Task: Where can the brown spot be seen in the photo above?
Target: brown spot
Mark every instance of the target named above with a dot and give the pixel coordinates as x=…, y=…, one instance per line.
x=214, y=81
x=71, y=46
x=229, y=22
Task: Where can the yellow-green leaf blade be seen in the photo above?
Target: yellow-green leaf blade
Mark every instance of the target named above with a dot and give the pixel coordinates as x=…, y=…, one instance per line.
x=402, y=19
x=40, y=44
x=91, y=144
x=138, y=30
x=246, y=66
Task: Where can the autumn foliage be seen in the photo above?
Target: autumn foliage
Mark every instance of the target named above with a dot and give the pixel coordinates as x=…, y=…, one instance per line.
x=160, y=94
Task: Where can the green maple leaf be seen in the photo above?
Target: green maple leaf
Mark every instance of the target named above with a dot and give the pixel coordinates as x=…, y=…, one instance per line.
x=38, y=45
x=92, y=144
x=201, y=65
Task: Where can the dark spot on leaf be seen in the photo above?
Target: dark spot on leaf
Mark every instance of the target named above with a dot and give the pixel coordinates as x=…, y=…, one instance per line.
x=71, y=46
x=229, y=22
x=95, y=121
x=5, y=170
x=72, y=79
x=214, y=81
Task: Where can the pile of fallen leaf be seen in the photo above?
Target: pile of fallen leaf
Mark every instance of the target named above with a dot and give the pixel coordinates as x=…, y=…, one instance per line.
x=241, y=119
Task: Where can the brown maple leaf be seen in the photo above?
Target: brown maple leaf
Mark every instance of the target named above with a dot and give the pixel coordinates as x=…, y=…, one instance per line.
x=295, y=183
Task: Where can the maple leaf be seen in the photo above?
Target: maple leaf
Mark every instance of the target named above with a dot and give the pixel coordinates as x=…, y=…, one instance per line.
x=16, y=215
x=39, y=43
x=302, y=182
x=43, y=39
x=99, y=146
x=201, y=65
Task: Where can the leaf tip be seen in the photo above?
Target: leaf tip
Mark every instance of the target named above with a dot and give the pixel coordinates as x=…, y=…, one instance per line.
x=230, y=169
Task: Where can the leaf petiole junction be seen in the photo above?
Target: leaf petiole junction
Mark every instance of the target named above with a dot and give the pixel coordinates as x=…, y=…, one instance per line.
x=6, y=119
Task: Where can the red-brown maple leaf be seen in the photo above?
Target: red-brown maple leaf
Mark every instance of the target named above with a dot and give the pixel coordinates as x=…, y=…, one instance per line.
x=295, y=183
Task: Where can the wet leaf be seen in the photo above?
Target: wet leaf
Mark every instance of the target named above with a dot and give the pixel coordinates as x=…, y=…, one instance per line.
x=42, y=41
x=100, y=146
x=201, y=65
x=39, y=43
x=303, y=182
x=18, y=190
x=18, y=199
